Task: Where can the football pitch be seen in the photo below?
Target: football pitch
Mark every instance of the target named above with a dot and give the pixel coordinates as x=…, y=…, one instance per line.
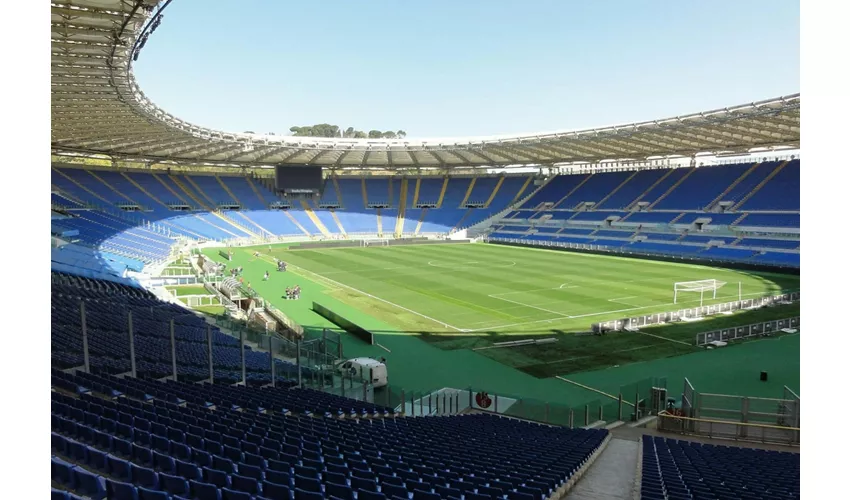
x=459, y=297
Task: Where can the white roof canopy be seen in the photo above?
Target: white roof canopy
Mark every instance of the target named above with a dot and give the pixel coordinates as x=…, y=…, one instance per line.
x=97, y=108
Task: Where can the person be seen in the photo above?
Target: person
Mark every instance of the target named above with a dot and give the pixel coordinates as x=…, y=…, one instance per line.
x=266, y=276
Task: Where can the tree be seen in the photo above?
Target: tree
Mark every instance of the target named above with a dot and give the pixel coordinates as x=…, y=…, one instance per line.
x=389, y=134
x=375, y=134
x=349, y=133
x=401, y=134
x=359, y=134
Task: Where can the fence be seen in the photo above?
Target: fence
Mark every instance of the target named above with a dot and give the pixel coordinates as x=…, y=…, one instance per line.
x=633, y=401
x=617, y=325
x=214, y=358
x=736, y=417
x=765, y=328
x=724, y=429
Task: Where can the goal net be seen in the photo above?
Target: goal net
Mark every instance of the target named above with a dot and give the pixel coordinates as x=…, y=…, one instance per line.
x=700, y=286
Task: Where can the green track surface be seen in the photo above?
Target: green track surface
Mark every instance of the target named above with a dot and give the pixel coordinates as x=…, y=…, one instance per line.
x=429, y=305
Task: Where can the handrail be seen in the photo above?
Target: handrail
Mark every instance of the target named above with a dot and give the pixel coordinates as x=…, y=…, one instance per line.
x=665, y=413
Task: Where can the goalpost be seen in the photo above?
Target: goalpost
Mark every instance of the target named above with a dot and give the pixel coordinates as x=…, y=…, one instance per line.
x=700, y=286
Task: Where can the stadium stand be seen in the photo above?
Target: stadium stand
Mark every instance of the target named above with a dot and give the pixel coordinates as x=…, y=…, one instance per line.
x=674, y=470
x=160, y=438
x=683, y=212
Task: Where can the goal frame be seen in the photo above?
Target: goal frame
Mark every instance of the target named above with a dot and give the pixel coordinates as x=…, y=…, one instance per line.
x=701, y=286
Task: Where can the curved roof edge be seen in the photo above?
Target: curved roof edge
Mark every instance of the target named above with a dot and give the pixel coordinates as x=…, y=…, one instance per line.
x=98, y=108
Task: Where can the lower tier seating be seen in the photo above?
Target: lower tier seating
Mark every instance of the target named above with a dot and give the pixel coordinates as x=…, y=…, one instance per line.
x=684, y=470
x=125, y=448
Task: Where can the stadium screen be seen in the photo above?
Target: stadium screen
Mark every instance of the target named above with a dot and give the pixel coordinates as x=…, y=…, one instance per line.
x=298, y=179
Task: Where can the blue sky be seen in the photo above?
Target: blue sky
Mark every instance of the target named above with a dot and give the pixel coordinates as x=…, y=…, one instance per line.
x=441, y=68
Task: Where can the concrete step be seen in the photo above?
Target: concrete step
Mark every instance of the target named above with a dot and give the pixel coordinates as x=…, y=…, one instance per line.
x=612, y=475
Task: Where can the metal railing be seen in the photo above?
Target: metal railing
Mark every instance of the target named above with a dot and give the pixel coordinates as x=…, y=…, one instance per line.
x=726, y=429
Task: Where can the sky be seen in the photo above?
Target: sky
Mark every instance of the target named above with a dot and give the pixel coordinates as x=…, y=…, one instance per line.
x=446, y=68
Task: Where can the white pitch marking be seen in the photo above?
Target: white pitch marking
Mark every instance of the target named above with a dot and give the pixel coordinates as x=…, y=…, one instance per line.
x=382, y=300
x=533, y=307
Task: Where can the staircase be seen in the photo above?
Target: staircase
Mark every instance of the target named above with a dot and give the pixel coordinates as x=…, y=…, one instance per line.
x=443, y=192
x=672, y=188
x=198, y=202
x=89, y=191
x=112, y=188
x=261, y=228
x=313, y=217
x=220, y=215
x=573, y=190
x=217, y=226
x=460, y=222
x=421, y=218
x=416, y=193
x=172, y=191
x=676, y=219
x=650, y=188
x=338, y=194
x=228, y=191
x=402, y=205
x=338, y=223
x=760, y=185
x=603, y=200
x=612, y=474
x=521, y=190
x=732, y=186
x=365, y=197
x=297, y=224
x=143, y=190
x=495, y=191
x=468, y=192
x=739, y=219
x=256, y=191
x=200, y=191
x=380, y=224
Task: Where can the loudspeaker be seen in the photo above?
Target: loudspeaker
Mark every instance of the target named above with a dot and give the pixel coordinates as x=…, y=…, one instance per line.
x=763, y=377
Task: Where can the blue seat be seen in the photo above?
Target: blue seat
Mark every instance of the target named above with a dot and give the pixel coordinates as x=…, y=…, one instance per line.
x=427, y=495
x=339, y=491
x=142, y=476
x=91, y=485
x=243, y=483
x=216, y=477
x=151, y=494
x=307, y=495
x=175, y=485
x=97, y=460
x=60, y=471
x=163, y=463
x=308, y=484
x=59, y=443
x=228, y=494
x=275, y=490
x=187, y=471
x=204, y=491
x=279, y=477
x=251, y=471
x=370, y=495
x=363, y=484
x=116, y=490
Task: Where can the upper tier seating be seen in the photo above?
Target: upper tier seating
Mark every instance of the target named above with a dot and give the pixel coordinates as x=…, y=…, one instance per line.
x=674, y=470
x=159, y=195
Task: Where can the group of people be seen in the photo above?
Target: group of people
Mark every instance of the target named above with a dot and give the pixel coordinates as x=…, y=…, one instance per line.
x=293, y=293
x=236, y=271
x=281, y=265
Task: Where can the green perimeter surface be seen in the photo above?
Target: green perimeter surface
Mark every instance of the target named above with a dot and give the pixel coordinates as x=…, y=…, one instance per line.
x=418, y=300
x=189, y=290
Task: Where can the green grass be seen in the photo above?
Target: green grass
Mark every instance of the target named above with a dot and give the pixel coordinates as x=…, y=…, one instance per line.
x=429, y=305
x=189, y=290
x=213, y=310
